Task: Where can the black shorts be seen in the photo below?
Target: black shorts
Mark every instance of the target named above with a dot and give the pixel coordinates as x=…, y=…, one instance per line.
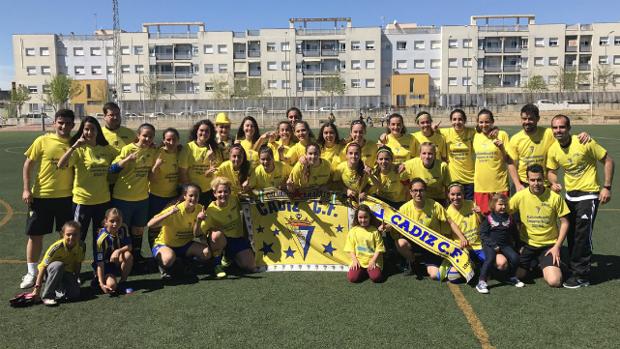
x=43, y=213
x=532, y=257
x=427, y=258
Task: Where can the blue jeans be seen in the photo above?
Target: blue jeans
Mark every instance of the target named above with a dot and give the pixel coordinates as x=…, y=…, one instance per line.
x=490, y=254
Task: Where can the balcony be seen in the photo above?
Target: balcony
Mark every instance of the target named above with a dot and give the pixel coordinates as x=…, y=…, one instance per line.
x=492, y=49
x=254, y=73
x=512, y=68
x=183, y=75
x=316, y=32
x=585, y=66
x=311, y=52
x=164, y=76
x=255, y=53
x=570, y=67
x=173, y=35
x=571, y=48
x=513, y=49
x=312, y=72
x=238, y=34
x=585, y=48
x=503, y=28
x=183, y=55
x=329, y=52
x=494, y=68
x=163, y=56
x=239, y=55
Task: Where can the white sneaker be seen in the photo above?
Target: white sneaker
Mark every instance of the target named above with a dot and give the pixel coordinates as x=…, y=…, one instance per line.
x=516, y=282
x=50, y=302
x=482, y=287
x=28, y=281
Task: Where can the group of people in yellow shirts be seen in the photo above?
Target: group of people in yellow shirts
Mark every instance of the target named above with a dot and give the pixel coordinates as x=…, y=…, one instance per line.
x=453, y=180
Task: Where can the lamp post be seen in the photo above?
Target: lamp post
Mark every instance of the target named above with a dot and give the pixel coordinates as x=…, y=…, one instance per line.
x=448, y=74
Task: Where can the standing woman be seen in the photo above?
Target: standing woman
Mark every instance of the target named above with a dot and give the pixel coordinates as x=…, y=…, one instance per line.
x=330, y=143
x=311, y=173
x=90, y=155
x=396, y=137
x=236, y=169
x=247, y=135
x=198, y=159
x=164, y=177
x=492, y=159
x=432, y=170
x=358, y=135
x=460, y=147
x=304, y=136
x=427, y=134
x=279, y=141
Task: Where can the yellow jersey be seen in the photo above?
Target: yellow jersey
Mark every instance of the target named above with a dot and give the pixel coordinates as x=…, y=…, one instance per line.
x=349, y=178
x=402, y=147
x=437, y=178
x=120, y=137
x=319, y=175
x=364, y=242
x=193, y=158
x=530, y=149
x=275, y=146
x=460, y=154
x=178, y=229
x=50, y=181
x=226, y=219
x=436, y=138
x=164, y=181
x=251, y=154
x=391, y=188
x=58, y=252
x=491, y=175
x=579, y=163
x=260, y=179
x=368, y=153
x=133, y=180
x=468, y=221
x=539, y=215
x=332, y=155
x=91, y=164
x=227, y=170
x=432, y=215
x=295, y=152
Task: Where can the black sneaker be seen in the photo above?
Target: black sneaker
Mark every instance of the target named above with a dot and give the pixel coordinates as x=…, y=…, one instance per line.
x=574, y=282
x=408, y=269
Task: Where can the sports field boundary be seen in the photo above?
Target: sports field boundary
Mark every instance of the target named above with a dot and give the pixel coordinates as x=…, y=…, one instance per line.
x=474, y=322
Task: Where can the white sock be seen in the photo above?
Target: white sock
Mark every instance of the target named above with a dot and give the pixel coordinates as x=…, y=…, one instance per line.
x=32, y=268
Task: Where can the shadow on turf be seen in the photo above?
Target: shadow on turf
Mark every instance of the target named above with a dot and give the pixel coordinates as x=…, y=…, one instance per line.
x=604, y=268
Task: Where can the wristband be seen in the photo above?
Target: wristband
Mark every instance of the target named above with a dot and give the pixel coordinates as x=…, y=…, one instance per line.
x=608, y=187
x=37, y=286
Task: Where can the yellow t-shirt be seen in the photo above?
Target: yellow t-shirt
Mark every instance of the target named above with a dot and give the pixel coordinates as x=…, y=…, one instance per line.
x=164, y=181
x=460, y=154
x=133, y=180
x=365, y=242
x=368, y=154
x=402, y=147
x=295, y=152
x=491, y=175
x=432, y=215
x=58, y=252
x=332, y=155
x=275, y=146
x=349, y=178
x=579, y=163
x=249, y=151
x=391, y=187
x=437, y=178
x=194, y=159
x=178, y=229
x=226, y=219
x=529, y=150
x=260, y=179
x=49, y=180
x=227, y=170
x=437, y=139
x=539, y=215
x=119, y=137
x=468, y=221
x=91, y=164
x=319, y=175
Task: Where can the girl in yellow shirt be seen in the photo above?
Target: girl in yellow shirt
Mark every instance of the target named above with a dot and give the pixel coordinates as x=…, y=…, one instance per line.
x=236, y=169
x=358, y=135
x=397, y=138
x=460, y=151
x=330, y=143
x=248, y=134
x=365, y=246
x=304, y=136
x=350, y=174
x=269, y=174
x=279, y=141
x=179, y=224
x=388, y=185
x=427, y=134
x=310, y=174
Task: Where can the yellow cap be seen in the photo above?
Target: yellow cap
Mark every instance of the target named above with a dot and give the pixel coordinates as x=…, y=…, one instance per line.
x=222, y=119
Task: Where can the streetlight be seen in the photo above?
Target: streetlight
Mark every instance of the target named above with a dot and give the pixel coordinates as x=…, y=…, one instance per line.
x=448, y=74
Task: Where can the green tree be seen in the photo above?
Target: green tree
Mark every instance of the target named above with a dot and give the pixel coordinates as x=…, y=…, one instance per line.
x=569, y=80
x=333, y=85
x=152, y=89
x=19, y=96
x=535, y=84
x=603, y=76
x=61, y=89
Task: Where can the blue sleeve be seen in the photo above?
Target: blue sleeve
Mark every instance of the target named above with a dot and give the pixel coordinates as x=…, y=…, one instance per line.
x=115, y=168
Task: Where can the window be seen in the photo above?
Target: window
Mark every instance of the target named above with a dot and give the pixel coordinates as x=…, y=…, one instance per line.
x=286, y=66
x=31, y=70
x=616, y=79
x=78, y=51
x=272, y=66
x=126, y=88
x=552, y=79
x=46, y=89
x=539, y=61
x=617, y=40
x=539, y=42
x=139, y=69
x=208, y=49
x=370, y=45
x=602, y=60
x=467, y=43
x=33, y=89
x=616, y=60
x=603, y=41
x=466, y=62
x=139, y=87
x=435, y=44
x=30, y=52
x=452, y=81
x=95, y=51
x=466, y=81
x=355, y=83
x=553, y=42
x=45, y=70
x=435, y=63
x=401, y=45
x=109, y=51
x=553, y=61
x=223, y=68
x=125, y=51
x=138, y=50
x=524, y=62
x=342, y=46
x=418, y=64
x=209, y=87
x=453, y=43
x=370, y=83
x=286, y=84
x=356, y=46
x=125, y=69
x=271, y=47
x=44, y=51
x=524, y=42
x=208, y=68
x=79, y=70
x=370, y=64
x=402, y=64
x=356, y=65
x=96, y=70
x=418, y=45
x=453, y=63
x=222, y=49
x=272, y=84
x=284, y=46
x=110, y=71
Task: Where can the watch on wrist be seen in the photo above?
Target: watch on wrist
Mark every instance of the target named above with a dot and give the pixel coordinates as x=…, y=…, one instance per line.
x=608, y=187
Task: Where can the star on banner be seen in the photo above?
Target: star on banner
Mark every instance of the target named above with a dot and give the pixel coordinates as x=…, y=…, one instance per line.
x=328, y=248
x=260, y=229
x=276, y=231
x=290, y=252
x=339, y=228
x=267, y=248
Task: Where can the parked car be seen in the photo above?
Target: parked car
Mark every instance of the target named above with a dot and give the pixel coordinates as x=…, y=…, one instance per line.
x=131, y=115
x=157, y=115
x=200, y=113
x=184, y=114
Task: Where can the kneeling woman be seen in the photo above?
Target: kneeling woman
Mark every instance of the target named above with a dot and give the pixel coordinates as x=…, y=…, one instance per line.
x=310, y=174
x=179, y=224
x=224, y=227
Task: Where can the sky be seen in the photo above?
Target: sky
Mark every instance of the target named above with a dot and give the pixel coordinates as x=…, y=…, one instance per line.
x=83, y=16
